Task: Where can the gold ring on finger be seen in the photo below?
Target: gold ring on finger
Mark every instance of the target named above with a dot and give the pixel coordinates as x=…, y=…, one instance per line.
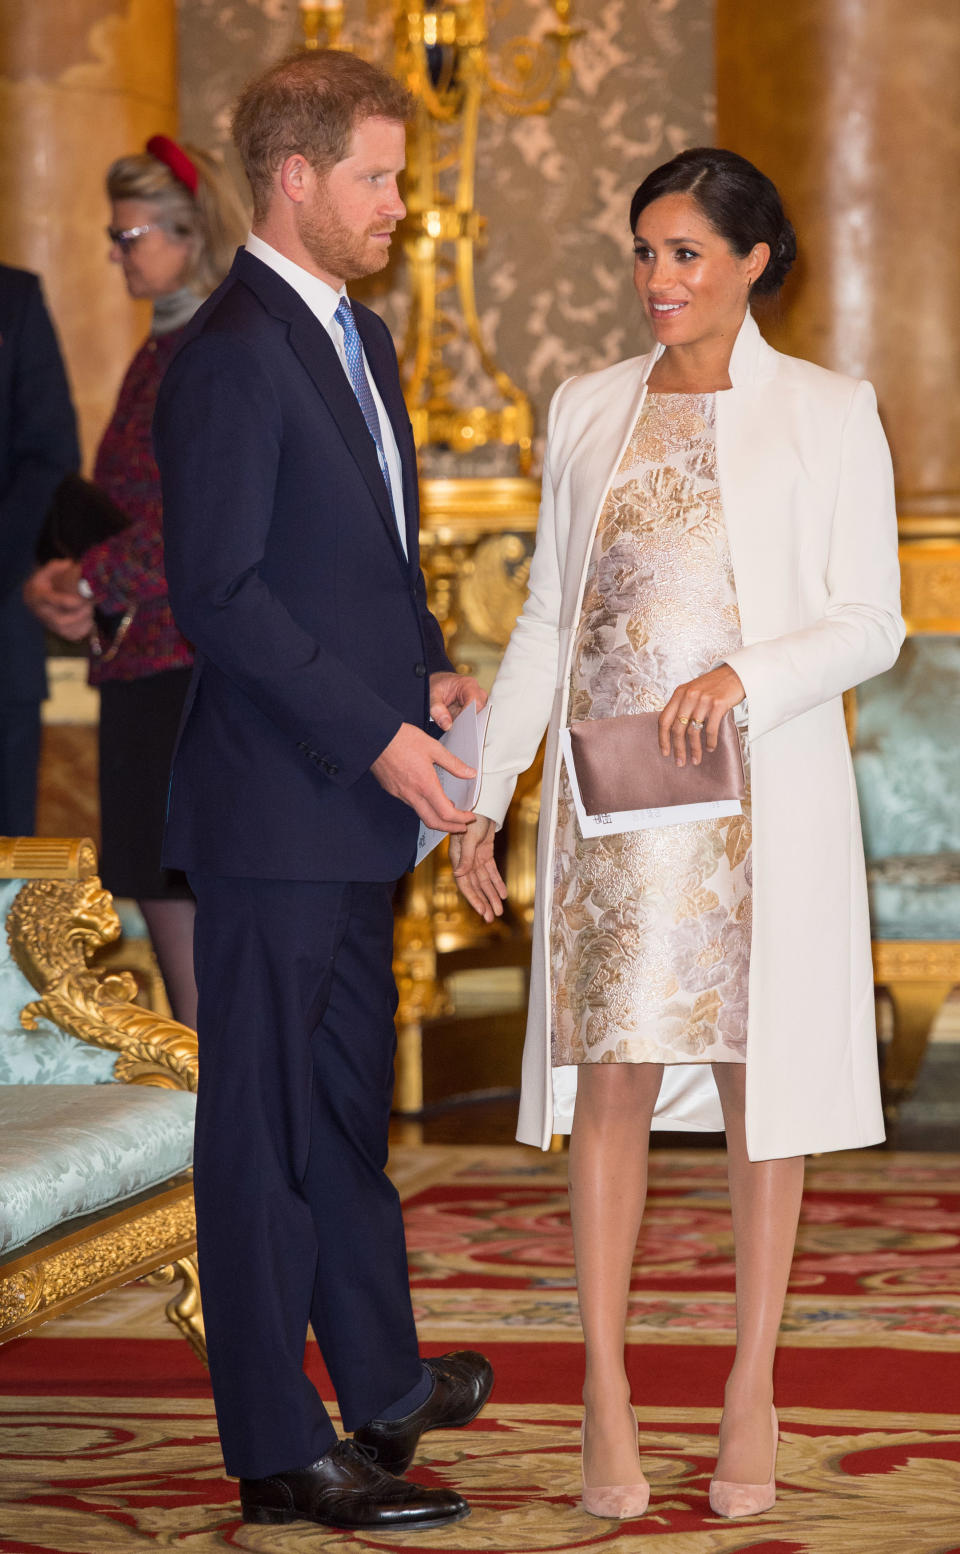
x=683, y=720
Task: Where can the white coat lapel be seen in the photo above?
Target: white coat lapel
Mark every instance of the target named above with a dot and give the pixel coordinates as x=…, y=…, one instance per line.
x=754, y=458
x=593, y=459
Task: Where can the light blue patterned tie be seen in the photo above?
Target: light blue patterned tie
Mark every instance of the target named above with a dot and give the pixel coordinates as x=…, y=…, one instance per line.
x=353, y=351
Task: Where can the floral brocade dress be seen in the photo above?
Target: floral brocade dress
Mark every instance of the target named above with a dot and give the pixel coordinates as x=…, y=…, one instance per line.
x=650, y=930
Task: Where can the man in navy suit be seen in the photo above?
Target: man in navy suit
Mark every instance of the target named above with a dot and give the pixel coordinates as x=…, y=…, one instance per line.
x=302, y=769
x=38, y=446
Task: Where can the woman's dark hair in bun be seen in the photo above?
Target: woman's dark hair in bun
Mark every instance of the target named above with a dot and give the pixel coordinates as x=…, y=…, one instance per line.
x=737, y=199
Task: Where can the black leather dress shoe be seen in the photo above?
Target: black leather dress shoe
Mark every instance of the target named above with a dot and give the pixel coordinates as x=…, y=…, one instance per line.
x=346, y=1489
x=462, y=1383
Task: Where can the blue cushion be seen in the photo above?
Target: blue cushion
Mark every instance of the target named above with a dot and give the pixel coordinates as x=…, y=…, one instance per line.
x=69, y=1150
x=46, y=1056
x=908, y=736
x=916, y=897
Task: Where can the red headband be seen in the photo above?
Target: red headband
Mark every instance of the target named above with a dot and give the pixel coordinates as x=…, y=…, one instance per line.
x=173, y=156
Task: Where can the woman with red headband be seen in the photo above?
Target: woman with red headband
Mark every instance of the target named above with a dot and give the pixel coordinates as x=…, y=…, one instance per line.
x=176, y=221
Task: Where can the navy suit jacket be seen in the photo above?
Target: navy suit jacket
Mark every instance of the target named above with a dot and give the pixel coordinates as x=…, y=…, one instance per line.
x=38, y=446
x=314, y=641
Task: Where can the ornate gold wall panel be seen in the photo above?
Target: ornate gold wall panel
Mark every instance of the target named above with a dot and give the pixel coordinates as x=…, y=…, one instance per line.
x=854, y=110
x=930, y=585
x=79, y=85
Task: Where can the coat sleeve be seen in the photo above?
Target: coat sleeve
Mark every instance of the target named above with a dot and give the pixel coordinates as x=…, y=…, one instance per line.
x=860, y=631
x=217, y=434
x=44, y=439
x=522, y=696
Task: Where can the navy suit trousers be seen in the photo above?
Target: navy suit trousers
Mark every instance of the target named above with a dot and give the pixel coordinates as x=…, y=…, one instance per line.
x=19, y=763
x=297, y=1222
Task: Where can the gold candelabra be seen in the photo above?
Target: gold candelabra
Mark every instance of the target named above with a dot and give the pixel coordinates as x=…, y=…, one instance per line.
x=443, y=52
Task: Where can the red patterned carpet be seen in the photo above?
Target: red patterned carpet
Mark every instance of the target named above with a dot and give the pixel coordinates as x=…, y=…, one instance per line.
x=107, y=1439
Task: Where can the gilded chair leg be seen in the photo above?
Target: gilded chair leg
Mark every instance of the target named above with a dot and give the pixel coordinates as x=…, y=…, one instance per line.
x=185, y=1310
x=915, y=1007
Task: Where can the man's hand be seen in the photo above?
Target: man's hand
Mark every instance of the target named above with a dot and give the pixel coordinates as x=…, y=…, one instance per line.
x=407, y=770
x=51, y=593
x=450, y=693
x=696, y=708
x=474, y=870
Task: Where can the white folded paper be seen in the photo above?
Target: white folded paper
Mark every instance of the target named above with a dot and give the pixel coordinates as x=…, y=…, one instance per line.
x=638, y=819
x=464, y=739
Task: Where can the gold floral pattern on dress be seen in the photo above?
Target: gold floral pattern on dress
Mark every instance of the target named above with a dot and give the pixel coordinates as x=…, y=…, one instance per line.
x=650, y=931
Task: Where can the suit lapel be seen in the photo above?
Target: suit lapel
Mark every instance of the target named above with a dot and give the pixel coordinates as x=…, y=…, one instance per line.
x=316, y=352
x=383, y=365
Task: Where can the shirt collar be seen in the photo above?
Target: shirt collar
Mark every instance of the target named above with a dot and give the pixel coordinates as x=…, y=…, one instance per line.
x=320, y=298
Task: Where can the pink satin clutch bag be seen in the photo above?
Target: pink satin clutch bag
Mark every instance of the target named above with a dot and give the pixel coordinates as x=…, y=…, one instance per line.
x=619, y=766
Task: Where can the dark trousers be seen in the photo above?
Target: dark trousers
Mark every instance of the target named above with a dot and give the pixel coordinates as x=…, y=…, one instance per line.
x=19, y=760
x=297, y=1221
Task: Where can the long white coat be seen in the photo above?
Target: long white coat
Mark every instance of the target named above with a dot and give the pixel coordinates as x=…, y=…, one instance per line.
x=807, y=492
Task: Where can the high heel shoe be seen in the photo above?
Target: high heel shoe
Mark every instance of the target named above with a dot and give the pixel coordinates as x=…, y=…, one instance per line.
x=620, y=1502
x=732, y=1500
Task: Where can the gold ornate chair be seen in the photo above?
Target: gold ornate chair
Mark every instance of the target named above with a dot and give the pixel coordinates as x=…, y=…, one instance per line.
x=907, y=738
x=96, y=1105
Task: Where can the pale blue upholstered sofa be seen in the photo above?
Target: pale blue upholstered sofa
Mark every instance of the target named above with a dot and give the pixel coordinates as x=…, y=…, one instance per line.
x=97, y=1098
x=907, y=764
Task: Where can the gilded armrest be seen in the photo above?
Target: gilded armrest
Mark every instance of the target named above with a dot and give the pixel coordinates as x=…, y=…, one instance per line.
x=53, y=927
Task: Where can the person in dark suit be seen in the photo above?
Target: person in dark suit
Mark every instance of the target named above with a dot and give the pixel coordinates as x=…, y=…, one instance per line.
x=38, y=446
x=302, y=769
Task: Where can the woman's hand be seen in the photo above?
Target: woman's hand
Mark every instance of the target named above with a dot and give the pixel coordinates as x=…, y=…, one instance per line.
x=51, y=593
x=450, y=693
x=471, y=855
x=694, y=711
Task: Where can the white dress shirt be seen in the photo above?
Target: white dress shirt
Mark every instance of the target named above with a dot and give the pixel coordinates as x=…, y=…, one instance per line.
x=323, y=301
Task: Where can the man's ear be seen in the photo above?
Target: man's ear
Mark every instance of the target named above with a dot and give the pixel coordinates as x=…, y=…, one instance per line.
x=296, y=178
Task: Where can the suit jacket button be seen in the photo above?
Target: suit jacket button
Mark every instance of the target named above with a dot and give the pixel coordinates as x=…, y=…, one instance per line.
x=420, y=670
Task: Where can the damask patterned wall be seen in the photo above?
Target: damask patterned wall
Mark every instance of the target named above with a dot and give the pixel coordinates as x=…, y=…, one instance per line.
x=554, y=281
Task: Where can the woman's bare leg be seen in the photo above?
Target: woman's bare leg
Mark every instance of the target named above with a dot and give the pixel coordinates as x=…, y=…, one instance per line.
x=608, y=1188
x=170, y=925
x=765, y=1202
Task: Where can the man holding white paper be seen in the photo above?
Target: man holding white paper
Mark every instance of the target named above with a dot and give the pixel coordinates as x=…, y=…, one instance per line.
x=303, y=763
x=463, y=739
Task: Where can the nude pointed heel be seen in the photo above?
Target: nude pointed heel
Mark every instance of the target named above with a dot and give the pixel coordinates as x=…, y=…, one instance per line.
x=734, y=1500
x=617, y=1502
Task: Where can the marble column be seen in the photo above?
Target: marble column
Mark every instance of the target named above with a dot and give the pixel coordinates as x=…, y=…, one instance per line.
x=853, y=108
x=80, y=84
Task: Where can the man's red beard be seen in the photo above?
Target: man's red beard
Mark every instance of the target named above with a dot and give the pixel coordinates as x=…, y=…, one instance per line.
x=335, y=248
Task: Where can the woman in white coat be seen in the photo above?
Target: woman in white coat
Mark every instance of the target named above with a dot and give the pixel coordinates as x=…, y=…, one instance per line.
x=717, y=532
